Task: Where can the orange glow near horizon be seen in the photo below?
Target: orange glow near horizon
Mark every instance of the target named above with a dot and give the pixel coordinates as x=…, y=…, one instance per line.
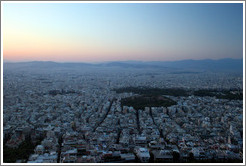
x=29, y=46
x=87, y=32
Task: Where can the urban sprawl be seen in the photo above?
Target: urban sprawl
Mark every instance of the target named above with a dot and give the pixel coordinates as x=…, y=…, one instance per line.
x=76, y=116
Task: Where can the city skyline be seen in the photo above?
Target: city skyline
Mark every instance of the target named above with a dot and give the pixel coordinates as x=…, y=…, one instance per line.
x=96, y=32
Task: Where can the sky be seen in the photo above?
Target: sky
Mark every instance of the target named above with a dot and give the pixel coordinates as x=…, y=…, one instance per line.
x=98, y=32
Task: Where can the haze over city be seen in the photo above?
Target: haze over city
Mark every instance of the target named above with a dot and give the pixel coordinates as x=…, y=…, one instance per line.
x=122, y=83
x=90, y=32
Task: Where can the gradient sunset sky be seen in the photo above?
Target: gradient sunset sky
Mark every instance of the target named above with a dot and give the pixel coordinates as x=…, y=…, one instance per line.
x=95, y=32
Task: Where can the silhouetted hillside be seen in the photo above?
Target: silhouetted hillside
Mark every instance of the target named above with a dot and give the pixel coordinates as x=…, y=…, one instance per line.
x=222, y=65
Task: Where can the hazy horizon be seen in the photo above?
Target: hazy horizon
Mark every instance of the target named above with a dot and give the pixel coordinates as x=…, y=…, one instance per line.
x=7, y=61
x=92, y=33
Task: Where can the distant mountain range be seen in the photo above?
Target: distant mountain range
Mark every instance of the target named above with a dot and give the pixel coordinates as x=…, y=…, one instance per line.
x=225, y=65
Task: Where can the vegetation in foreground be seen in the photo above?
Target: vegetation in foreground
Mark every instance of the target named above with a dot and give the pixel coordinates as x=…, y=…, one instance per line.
x=24, y=150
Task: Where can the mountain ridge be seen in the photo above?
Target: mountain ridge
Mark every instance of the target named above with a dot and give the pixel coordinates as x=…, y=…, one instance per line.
x=226, y=64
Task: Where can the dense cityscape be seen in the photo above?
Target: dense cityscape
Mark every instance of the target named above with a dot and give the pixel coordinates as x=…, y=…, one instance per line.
x=122, y=82
x=77, y=115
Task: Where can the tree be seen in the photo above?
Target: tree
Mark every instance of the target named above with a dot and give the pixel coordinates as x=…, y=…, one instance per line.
x=191, y=157
x=176, y=156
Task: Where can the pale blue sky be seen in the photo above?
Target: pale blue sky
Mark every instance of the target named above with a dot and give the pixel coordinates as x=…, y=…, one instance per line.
x=102, y=32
